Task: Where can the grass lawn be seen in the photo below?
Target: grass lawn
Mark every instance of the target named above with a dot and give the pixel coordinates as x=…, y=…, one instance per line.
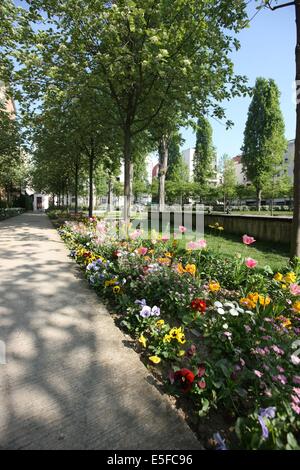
x=266, y=253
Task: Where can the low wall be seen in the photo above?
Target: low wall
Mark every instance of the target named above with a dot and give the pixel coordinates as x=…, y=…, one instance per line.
x=265, y=228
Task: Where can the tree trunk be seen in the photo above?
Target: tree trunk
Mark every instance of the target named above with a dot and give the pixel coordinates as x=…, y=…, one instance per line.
x=127, y=175
x=295, y=242
x=258, y=198
x=91, y=178
x=76, y=188
x=109, y=194
x=163, y=166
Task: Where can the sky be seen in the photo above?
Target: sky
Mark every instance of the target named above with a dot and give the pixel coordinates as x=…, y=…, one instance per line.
x=267, y=50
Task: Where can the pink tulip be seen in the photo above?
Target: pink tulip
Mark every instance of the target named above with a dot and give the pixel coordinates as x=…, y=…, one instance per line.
x=199, y=245
x=164, y=238
x=192, y=246
x=248, y=240
x=182, y=229
x=202, y=244
x=295, y=289
x=136, y=234
x=250, y=263
x=142, y=251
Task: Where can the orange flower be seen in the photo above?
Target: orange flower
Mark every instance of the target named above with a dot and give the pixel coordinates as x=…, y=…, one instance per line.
x=253, y=296
x=180, y=268
x=191, y=269
x=166, y=261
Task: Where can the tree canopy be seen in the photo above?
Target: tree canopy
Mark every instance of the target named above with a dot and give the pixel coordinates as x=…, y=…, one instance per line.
x=264, y=138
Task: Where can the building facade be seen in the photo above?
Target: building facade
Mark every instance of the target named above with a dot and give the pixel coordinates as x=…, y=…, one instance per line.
x=188, y=157
x=287, y=164
x=6, y=102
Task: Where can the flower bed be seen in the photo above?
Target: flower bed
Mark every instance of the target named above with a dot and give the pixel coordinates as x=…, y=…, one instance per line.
x=7, y=213
x=221, y=333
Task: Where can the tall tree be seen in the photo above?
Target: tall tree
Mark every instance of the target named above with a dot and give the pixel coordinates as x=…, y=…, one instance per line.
x=204, y=151
x=229, y=181
x=142, y=55
x=264, y=139
x=174, y=154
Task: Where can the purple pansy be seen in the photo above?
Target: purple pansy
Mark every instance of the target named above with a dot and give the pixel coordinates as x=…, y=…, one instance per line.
x=220, y=442
x=145, y=312
x=155, y=311
x=266, y=413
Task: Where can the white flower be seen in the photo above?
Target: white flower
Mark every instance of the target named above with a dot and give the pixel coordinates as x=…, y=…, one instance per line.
x=225, y=326
x=218, y=304
x=221, y=311
x=229, y=305
x=234, y=312
x=295, y=360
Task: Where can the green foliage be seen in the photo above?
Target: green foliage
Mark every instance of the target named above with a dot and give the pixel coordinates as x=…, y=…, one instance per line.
x=228, y=332
x=145, y=63
x=264, y=140
x=174, y=154
x=229, y=180
x=204, y=152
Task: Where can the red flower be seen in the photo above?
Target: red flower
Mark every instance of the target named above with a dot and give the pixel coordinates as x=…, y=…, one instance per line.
x=87, y=254
x=199, y=305
x=185, y=378
x=202, y=384
x=201, y=370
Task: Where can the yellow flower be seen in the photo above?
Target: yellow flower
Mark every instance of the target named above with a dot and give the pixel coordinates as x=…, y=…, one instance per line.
x=278, y=277
x=160, y=323
x=168, y=255
x=180, y=268
x=110, y=283
x=287, y=323
x=143, y=341
x=181, y=338
x=167, y=339
x=155, y=359
x=220, y=228
x=253, y=297
x=290, y=278
x=181, y=353
x=214, y=286
x=284, y=286
x=116, y=289
x=245, y=302
x=296, y=306
x=264, y=300
x=173, y=333
x=164, y=260
x=191, y=269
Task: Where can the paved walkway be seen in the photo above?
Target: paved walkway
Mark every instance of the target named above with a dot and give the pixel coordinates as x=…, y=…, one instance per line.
x=70, y=382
